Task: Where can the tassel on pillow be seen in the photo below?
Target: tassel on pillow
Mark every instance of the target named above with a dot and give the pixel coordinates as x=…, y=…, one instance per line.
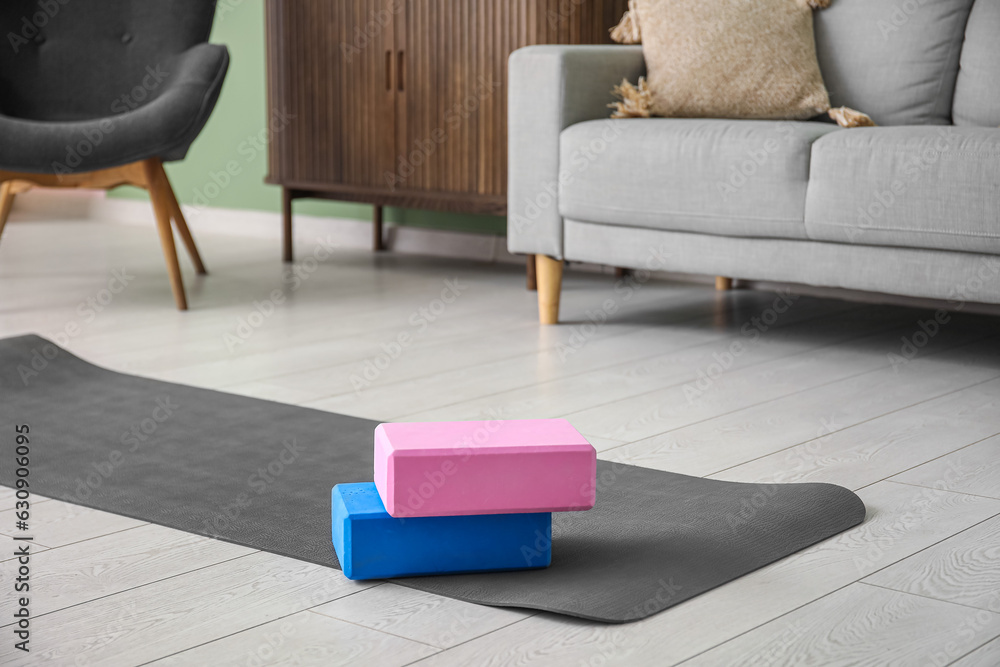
x=635, y=100
x=846, y=117
x=627, y=31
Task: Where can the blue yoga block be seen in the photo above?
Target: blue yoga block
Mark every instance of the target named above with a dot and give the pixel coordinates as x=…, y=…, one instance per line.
x=372, y=545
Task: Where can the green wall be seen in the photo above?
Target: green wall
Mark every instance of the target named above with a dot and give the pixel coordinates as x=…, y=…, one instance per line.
x=235, y=133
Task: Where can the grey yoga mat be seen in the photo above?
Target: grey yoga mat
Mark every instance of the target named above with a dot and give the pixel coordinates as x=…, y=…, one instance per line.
x=259, y=474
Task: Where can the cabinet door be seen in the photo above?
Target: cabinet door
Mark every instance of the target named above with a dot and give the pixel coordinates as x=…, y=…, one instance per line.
x=449, y=101
x=452, y=107
x=331, y=91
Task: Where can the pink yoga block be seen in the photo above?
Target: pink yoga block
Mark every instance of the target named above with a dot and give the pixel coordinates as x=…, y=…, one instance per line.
x=484, y=467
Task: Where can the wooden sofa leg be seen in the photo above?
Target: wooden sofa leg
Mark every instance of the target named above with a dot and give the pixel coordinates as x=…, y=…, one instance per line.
x=531, y=279
x=723, y=284
x=549, y=274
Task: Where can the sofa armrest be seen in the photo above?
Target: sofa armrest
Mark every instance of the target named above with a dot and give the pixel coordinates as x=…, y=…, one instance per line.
x=551, y=88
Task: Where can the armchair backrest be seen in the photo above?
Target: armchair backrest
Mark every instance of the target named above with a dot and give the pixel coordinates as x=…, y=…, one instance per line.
x=84, y=59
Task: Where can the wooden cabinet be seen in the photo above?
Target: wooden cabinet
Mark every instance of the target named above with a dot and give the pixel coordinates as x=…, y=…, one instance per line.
x=404, y=102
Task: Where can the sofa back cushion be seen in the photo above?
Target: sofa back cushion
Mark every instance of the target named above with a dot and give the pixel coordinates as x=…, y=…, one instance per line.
x=896, y=60
x=977, y=91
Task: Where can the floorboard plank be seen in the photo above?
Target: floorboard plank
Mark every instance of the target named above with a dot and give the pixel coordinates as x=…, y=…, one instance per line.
x=987, y=655
x=873, y=627
x=855, y=456
x=110, y=564
x=57, y=523
x=420, y=616
x=973, y=469
x=964, y=569
x=304, y=639
x=163, y=618
x=743, y=412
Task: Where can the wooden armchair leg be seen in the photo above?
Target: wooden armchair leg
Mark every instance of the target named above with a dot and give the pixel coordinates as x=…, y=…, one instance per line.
x=549, y=274
x=723, y=284
x=160, y=194
x=181, y=224
x=6, y=202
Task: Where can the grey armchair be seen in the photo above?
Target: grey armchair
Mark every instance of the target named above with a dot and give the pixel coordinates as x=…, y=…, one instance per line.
x=99, y=93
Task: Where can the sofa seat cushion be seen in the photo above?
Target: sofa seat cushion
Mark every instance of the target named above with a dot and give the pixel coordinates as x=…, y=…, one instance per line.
x=733, y=177
x=915, y=187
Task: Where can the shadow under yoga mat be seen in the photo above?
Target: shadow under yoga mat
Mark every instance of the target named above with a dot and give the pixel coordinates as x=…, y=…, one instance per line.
x=259, y=474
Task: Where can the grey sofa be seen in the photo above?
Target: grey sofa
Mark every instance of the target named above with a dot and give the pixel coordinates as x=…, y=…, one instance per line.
x=911, y=207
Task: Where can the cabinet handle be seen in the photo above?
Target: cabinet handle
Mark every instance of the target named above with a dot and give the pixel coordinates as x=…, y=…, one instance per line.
x=400, y=68
x=388, y=70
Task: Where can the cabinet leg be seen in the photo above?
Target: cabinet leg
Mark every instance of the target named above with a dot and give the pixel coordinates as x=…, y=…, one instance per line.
x=286, y=221
x=532, y=278
x=550, y=272
x=377, y=243
x=723, y=284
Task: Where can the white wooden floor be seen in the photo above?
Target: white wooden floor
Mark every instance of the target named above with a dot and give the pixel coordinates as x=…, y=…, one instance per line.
x=676, y=379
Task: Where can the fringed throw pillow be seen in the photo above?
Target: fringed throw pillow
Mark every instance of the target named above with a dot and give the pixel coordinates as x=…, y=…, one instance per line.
x=753, y=59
